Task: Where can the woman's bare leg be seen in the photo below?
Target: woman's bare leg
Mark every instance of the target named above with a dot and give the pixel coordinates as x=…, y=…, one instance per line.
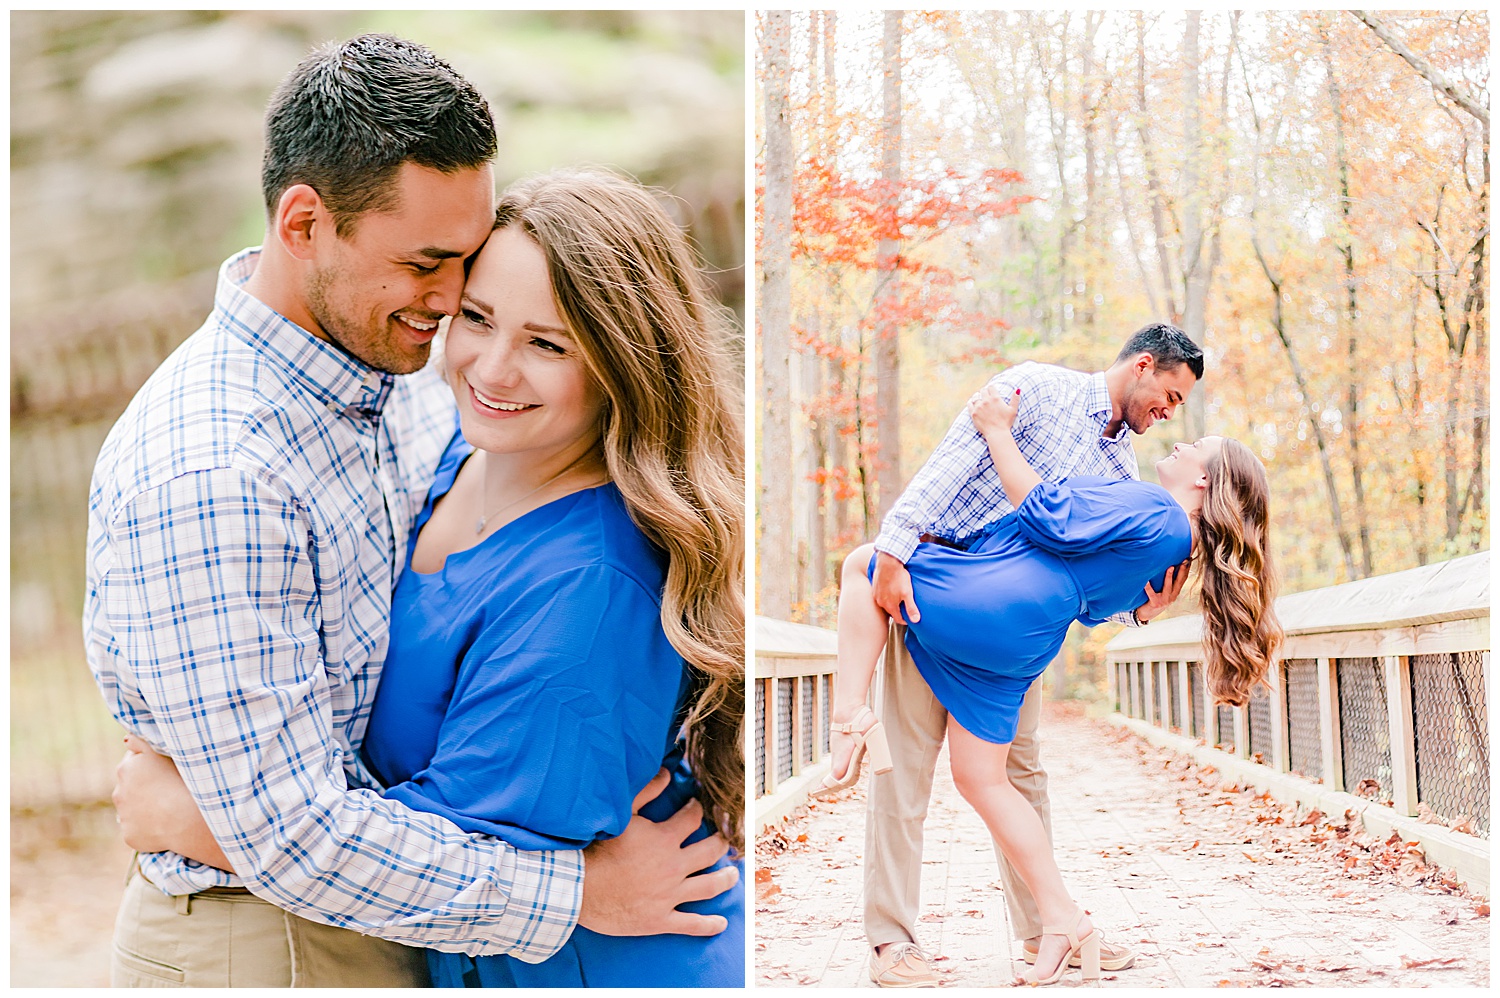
x=979, y=773
x=862, y=630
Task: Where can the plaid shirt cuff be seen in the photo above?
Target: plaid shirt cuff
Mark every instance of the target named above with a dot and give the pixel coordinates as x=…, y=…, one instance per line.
x=546, y=893
x=898, y=542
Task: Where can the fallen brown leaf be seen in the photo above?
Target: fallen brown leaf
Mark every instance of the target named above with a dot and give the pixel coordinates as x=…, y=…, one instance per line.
x=1437, y=961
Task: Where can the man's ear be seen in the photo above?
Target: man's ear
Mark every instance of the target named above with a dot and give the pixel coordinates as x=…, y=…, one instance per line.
x=1144, y=362
x=300, y=215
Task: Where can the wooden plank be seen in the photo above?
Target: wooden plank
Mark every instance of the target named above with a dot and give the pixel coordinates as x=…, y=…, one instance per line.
x=791, y=668
x=1328, y=725
x=1453, y=590
x=1403, y=734
x=1185, y=695
x=1469, y=634
x=782, y=638
x=1281, y=757
x=1148, y=694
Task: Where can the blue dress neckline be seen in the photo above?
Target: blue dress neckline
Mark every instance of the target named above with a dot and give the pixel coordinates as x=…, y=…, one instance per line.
x=443, y=483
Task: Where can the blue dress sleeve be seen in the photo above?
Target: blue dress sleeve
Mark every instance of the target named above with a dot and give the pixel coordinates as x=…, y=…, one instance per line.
x=1085, y=516
x=561, y=713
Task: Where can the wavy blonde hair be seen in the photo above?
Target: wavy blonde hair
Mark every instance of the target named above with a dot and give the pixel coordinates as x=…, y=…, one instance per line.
x=1240, y=631
x=628, y=283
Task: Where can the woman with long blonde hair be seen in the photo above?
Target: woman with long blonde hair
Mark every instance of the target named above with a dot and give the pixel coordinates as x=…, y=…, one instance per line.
x=995, y=615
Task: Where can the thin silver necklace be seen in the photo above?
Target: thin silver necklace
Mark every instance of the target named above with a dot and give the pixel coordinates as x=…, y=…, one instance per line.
x=487, y=517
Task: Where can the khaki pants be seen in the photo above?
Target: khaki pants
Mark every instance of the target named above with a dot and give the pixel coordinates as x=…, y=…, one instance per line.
x=915, y=724
x=231, y=938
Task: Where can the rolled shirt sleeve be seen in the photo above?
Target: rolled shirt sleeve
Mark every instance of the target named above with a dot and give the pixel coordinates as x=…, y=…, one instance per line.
x=208, y=597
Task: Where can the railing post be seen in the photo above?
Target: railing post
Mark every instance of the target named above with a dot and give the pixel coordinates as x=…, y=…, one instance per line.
x=817, y=718
x=1148, y=695
x=1242, y=732
x=1185, y=695
x=1403, y=734
x=1164, y=695
x=1281, y=759
x=1328, y=724
x=1210, y=714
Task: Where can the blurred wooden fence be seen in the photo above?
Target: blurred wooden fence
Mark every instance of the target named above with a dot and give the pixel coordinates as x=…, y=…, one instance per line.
x=70, y=380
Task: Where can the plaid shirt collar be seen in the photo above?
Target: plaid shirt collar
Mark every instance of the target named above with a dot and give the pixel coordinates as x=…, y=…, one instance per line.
x=1101, y=407
x=314, y=365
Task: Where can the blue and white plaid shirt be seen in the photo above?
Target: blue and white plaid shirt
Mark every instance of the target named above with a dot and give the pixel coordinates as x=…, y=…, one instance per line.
x=957, y=494
x=247, y=519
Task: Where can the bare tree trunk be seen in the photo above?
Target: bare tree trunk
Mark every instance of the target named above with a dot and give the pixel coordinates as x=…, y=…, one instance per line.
x=1093, y=215
x=1416, y=412
x=1135, y=244
x=812, y=562
x=1477, y=319
x=1278, y=322
x=1153, y=183
x=837, y=443
x=1194, y=266
x=774, y=313
x=887, y=330
x=1351, y=305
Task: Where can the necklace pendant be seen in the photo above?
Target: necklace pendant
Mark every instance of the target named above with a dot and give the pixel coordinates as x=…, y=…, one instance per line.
x=479, y=527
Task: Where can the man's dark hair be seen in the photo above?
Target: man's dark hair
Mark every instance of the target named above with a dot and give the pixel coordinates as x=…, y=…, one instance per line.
x=351, y=113
x=1170, y=346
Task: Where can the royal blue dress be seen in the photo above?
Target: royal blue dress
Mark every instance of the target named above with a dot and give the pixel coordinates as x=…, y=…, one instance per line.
x=529, y=693
x=994, y=616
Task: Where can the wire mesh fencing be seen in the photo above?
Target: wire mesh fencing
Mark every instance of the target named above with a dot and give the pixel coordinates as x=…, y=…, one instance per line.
x=1452, y=736
x=785, y=688
x=1303, y=737
x=1364, y=728
x=1260, y=725
x=760, y=737
x=1195, y=694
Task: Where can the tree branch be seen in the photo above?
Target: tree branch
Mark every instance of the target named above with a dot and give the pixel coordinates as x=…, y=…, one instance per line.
x=1438, y=80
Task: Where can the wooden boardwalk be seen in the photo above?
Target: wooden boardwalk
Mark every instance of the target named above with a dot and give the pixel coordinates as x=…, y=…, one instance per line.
x=1213, y=886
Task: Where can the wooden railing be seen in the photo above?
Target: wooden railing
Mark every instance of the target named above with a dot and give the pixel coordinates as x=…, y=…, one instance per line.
x=794, y=669
x=1378, y=705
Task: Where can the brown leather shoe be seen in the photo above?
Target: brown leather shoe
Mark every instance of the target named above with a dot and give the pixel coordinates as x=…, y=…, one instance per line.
x=1112, y=956
x=902, y=965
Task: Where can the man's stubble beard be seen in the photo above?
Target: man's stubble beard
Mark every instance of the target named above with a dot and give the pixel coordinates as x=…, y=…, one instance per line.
x=371, y=350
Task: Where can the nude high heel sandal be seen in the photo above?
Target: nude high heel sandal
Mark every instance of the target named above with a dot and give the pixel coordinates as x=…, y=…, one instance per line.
x=1086, y=949
x=869, y=736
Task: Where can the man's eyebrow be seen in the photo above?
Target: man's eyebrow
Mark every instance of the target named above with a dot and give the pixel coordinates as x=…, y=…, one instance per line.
x=438, y=253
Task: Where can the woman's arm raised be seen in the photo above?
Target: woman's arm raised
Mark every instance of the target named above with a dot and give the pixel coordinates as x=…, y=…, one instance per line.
x=993, y=417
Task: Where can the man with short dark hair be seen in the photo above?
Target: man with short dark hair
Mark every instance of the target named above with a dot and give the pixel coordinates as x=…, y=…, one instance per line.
x=246, y=523
x=1068, y=423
